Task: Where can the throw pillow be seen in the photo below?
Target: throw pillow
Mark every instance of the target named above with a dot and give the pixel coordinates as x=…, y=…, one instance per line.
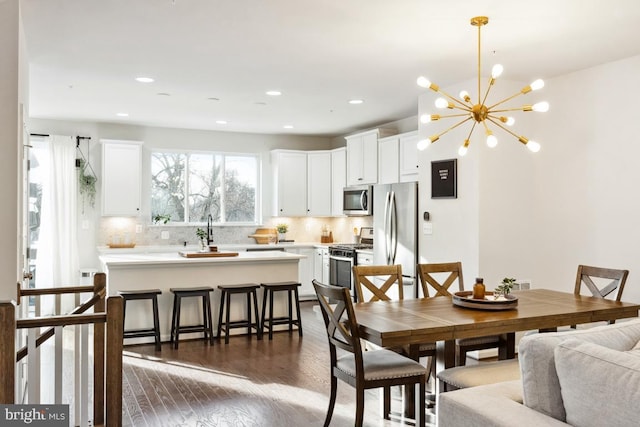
x=600, y=386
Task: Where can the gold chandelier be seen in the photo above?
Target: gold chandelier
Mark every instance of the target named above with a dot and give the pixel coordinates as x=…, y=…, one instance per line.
x=480, y=112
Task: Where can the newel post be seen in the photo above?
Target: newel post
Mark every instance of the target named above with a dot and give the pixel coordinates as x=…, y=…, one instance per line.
x=99, y=288
x=7, y=351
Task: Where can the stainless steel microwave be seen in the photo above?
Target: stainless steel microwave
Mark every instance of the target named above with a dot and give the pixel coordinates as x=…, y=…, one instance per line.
x=357, y=201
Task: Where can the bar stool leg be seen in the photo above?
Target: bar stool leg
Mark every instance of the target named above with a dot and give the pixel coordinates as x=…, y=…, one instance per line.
x=249, y=316
x=295, y=290
x=226, y=326
x=270, y=315
x=255, y=309
x=264, y=310
x=205, y=332
x=222, y=297
x=156, y=322
x=208, y=318
x=177, y=340
x=173, y=319
x=290, y=311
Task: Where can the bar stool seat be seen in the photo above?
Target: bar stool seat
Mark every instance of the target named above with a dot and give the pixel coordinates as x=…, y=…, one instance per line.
x=143, y=294
x=271, y=321
x=206, y=327
x=248, y=289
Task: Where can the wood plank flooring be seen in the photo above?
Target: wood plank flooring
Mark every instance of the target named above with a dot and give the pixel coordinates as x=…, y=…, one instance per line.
x=284, y=382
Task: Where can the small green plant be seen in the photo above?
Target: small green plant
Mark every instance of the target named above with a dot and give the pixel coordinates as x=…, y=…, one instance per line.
x=87, y=188
x=282, y=228
x=202, y=234
x=161, y=218
x=505, y=286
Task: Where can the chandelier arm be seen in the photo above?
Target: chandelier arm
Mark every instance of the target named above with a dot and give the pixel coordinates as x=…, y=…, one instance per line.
x=452, y=127
x=505, y=100
x=454, y=99
x=446, y=116
x=472, y=128
x=503, y=128
x=491, y=80
x=511, y=109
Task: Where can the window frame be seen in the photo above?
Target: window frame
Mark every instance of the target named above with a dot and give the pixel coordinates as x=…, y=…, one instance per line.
x=224, y=154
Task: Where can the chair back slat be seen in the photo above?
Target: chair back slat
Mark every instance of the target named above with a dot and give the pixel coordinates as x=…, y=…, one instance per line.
x=586, y=275
x=339, y=317
x=427, y=279
x=390, y=274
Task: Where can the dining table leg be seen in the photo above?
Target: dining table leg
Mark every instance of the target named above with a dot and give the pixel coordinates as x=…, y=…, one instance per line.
x=507, y=346
x=410, y=391
x=445, y=358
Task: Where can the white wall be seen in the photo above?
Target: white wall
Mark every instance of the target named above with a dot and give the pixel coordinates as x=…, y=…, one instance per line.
x=537, y=216
x=11, y=89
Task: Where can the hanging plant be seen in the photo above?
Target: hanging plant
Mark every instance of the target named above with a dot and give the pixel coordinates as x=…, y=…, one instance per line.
x=86, y=184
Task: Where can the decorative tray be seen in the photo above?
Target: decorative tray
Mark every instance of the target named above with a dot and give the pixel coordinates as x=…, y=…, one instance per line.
x=464, y=299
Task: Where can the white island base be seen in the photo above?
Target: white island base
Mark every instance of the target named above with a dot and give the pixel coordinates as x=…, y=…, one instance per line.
x=164, y=271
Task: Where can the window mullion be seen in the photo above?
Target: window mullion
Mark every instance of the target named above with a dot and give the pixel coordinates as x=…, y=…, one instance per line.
x=187, y=173
x=223, y=175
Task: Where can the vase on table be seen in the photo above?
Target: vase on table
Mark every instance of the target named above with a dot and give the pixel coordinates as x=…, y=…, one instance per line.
x=282, y=236
x=203, y=246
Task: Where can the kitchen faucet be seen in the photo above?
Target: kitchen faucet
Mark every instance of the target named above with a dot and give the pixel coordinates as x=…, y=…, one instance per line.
x=209, y=230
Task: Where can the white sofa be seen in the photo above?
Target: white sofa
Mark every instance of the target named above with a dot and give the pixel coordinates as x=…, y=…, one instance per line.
x=581, y=378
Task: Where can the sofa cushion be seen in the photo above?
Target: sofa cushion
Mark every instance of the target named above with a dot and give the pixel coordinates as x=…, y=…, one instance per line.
x=541, y=389
x=600, y=386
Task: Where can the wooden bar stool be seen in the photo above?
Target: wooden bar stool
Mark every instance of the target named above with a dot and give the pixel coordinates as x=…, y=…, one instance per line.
x=206, y=327
x=270, y=322
x=248, y=289
x=142, y=294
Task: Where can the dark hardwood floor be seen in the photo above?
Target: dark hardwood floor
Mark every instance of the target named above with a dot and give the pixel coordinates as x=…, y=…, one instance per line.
x=284, y=382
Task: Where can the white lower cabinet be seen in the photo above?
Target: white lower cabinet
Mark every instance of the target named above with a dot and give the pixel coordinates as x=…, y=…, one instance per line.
x=305, y=271
x=321, y=265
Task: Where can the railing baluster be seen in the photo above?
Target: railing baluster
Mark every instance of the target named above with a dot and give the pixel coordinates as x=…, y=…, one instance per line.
x=84, y=375
x=58, y=365
x=33, y=364
x=8, y=351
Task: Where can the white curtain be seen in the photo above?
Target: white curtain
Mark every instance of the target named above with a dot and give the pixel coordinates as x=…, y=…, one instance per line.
x=57, y=256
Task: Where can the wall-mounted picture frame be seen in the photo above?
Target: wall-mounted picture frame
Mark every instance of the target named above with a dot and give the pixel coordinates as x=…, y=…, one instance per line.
x=444, y=179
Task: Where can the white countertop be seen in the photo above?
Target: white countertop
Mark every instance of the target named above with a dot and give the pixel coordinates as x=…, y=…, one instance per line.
x=173, y=258
x=105, y=250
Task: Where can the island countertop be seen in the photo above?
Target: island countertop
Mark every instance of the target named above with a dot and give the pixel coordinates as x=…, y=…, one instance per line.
x=159, y=259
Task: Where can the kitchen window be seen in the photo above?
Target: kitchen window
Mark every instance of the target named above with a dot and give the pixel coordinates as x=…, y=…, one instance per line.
x=188, y=186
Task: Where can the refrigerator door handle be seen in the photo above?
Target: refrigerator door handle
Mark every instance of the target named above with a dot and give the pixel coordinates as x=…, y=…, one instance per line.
x=393, y=214
x=387, y=228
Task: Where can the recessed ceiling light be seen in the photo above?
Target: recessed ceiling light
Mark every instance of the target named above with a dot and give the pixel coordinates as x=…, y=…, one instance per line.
x=163, y=94
x=356, y=101
x=288, y=126
x=213, y=99
x=273, y=93
x=221, y=122
x=122, y=114
x=260, y=103
x=144, y=79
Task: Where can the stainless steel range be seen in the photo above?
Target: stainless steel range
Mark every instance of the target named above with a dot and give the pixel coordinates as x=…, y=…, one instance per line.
x=343, y=256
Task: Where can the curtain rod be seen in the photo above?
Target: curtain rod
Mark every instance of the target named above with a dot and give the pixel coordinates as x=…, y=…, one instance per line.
x=46, y=135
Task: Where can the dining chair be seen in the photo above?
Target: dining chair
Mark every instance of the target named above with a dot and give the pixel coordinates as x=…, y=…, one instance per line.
x=596, y=281
x=362, y=369
x=431, y=276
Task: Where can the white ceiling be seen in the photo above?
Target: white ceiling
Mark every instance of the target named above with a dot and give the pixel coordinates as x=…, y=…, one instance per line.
x=85, y=54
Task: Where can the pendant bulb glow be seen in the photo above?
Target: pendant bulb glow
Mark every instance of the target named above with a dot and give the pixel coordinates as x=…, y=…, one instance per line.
x=496, y=71
x=464, y=95
x=538, y=84
x=492, y=141
x=423, y=82
x=425, y=118
x=441, y=103
x=533, y=146
x=423, y=144
x=462, y=151
x=510, y=121
x=540, y=107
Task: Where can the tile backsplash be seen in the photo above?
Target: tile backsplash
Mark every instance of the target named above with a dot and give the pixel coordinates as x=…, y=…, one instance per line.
x=302, y=230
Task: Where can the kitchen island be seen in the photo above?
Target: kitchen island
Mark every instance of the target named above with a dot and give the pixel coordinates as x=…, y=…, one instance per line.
x=166, y=270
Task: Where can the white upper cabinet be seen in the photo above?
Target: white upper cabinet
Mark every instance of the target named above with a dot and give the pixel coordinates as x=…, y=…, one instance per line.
x=388, y=164
x=362, y=156
x=290, y=182
x=121, y=177
x=319, y=183
x=409, y=156
x=338, y=180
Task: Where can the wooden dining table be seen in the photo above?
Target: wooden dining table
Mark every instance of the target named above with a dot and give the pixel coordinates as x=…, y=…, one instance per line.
x=437, y=319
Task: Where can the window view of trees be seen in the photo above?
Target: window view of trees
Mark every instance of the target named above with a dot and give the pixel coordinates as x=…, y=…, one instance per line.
x=191, y=186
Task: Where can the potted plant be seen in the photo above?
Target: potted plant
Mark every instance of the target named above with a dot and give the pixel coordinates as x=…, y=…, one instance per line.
x=161, y=218
x=202, y=235
x=282, y=231
x=504, y=288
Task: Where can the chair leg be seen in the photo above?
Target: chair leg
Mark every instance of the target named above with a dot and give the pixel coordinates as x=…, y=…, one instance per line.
x=461, y=356
x=420, y=416
x=386, y=402
x=359, y=407
x=332, y=401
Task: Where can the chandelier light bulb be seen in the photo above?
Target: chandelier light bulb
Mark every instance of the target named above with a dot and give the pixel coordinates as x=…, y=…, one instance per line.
x=510, y=121
x=423, y=82
x=462, y=150
x=492, y=141
x=540, y=107
x=496, y=71
x=537, y=84
x=425, y=118
x=533, y=146
x=442, y=103
x=423, y=143
x=464, y=95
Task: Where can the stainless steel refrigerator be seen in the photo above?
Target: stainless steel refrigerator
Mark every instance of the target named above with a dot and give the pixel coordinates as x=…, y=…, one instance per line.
x=395, y=223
